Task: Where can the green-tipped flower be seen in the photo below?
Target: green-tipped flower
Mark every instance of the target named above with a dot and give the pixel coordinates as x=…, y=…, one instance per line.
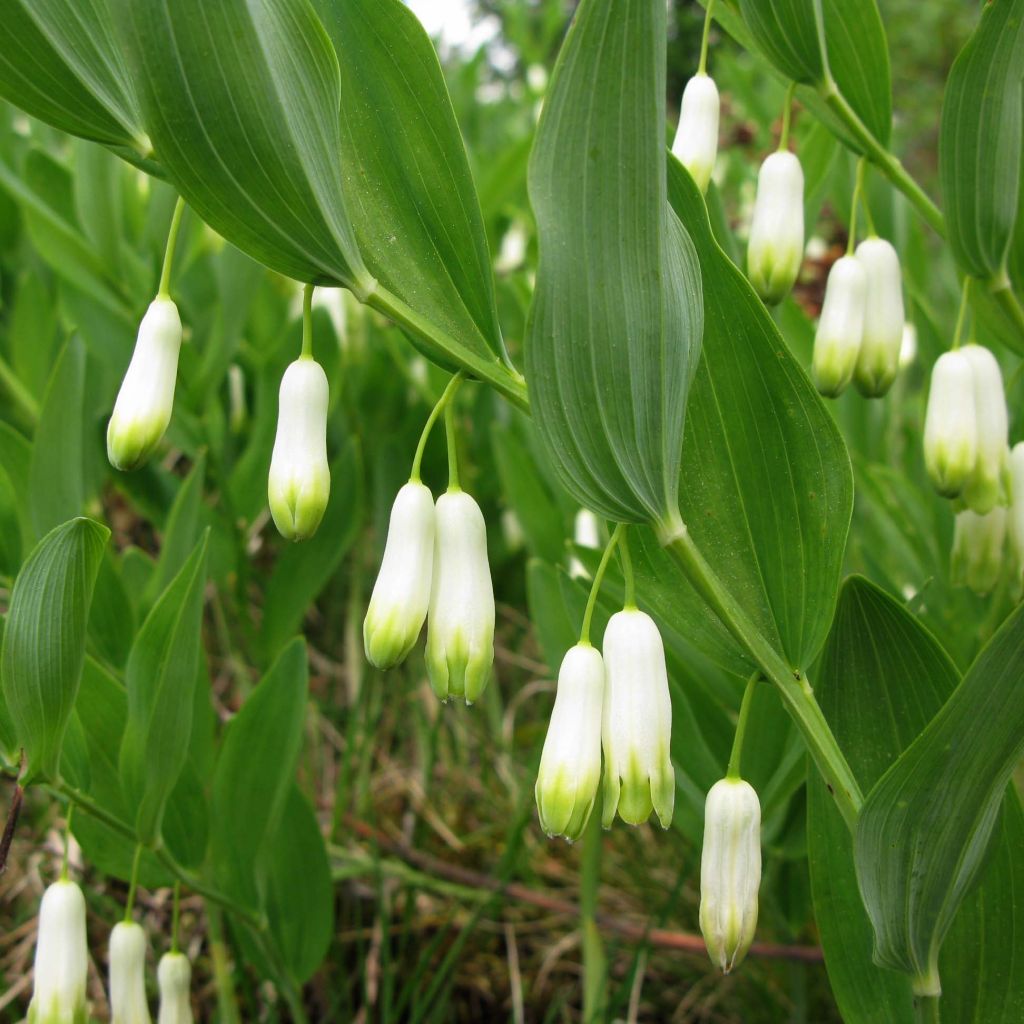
x=570, y=766
x=696, y=141
x=128, y=975
x=62, y=958
x=460, y=622
x=144, y=403
x=300, y=479
x=841, y=327
x=1016, y=513
x=776, y=247
x=174, y=976
x=730, y=871
x=636, y=722
x=401, y=594
x=984, y=488
x=950, y=424
x=879, y=358
x=978, y=549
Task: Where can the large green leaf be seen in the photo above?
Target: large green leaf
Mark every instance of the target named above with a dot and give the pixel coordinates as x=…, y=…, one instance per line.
x=881, y=679
x=615, y=327
x=980, y=140
x=241, y=100
x=925, y=827
x=44, y=639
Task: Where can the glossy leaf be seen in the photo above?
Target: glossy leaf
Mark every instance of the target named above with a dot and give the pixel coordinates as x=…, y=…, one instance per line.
x=615, y=328
x=44, y=639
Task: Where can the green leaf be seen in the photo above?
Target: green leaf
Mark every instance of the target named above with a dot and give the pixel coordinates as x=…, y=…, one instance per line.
x=32, y=332
x=241, y=99
x=980, y=140
x=55, y=485
x=44, y=640
x=160, y=679
x=16, y=462
x=112, y=619
x=615, y=327
x=923, y=832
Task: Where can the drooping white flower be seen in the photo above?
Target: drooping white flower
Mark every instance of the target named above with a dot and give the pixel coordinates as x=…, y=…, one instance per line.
x=570, y=765
x=62, y=958
x=174, y=977
x=908, y=345
x=1016, y=513
x=950, y=424
x=978, y=549
x=984, y=487
x=776, y=246
x=730, y=871
x=460, y=620
x=636, y=722
x=401, y=595
x=144, y=403
x=586, y=534
x=300, y=479
x=841, y=327
x=879, y=359
x=128, y=974
x=696, y=141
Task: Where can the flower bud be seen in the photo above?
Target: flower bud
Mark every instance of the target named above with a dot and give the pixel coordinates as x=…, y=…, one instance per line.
x=62, y=958
x=879, y=359
x=776, y=247
x=1016, y=513
x=128, y=975
x=570, y=766
x=950, y=424
x=730, y=871
x=696, y=141
x=401, y=594
x=636, y=722
x=174, y=976
x=908, y=345
x=143, y=407
x=460, y=622
x=978, y=543
x=837, y=341
x=984, y=488
x=300, y=480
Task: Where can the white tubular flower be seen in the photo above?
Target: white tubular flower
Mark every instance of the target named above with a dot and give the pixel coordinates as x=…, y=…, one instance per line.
x=841, y=327
x=730, y=871
x=696, y=141
x=143, y=407
x=174, y=976
x=1016, y=474
x=570, y=766
x=300, y=480
x=879, y=359
x=401, y=595
x=776, y=247
x=984, y=488
x=908, y=345
x=62, y=958
x=128, y=975
x=978, y=543
x=950, y=424
x=587, y=534
x=636, y=722
x=460, y=622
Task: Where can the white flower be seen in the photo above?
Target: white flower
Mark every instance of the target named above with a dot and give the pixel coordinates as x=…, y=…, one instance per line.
x=401, y=595
x=978, y=543
x=950, y=424
x=570, y=765
x=776, y=246
x=908, y=345
x=696, y=141
x=730, y=871
x=879, y=359
x=460, y=622
x=636, y=722
x=586, y=533
x=128, y=975
x=174, y=976
x=984, y=488
x=143, y=407
x=841, y=327
x=62, y=958
x=1016, y=474
x=300, y=480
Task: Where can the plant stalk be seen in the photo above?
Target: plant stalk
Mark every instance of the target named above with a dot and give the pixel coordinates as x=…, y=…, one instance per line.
x=595, y=970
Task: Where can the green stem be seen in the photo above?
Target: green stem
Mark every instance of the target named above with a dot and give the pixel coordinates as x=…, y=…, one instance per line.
x=733, y=771
x=595, y=587
x=129, y=905
x=172, y=240
x=595, y=970
x=793, y=687
x=787, y=117
x=175, y=916
x=1002, y=292
x=439, y=407
x=854, y=204
x=67, y=844
x=629, y=602
x=926, y=1009
x=961, y=317
x=453, y=455
x=703, y=65
x=227, y=1003
x=307, y=322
